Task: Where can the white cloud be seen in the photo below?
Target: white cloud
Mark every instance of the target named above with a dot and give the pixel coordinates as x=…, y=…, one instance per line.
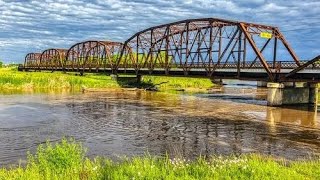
x=39, y=24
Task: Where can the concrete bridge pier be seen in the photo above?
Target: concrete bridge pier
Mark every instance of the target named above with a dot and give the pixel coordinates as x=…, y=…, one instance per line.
x=139, y=78
x=135, y=79
x=114, y=77
x=262, y=83
x=314, y=93
x=217, y=81
x=291, y=93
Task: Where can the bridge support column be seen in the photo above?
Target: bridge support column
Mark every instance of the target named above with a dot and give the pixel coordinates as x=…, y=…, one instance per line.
x=139, y=78
x=291, y=93
x=114, y=77
x=262, y=83
x=314, y=93
x=217, y=81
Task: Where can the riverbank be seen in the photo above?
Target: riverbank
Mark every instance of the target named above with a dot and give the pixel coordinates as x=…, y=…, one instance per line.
x=67, y=160
x=11, y=79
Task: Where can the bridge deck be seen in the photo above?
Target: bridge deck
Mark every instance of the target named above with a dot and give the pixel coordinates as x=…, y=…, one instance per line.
x=306, y=75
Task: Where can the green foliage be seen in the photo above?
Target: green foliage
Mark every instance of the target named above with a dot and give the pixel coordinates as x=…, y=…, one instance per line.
x=66, y=160
x=58, y=157
x=63, y=160
x=1, y=64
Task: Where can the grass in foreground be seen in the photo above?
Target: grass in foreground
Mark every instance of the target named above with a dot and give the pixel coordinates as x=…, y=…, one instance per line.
x=11, y=79
x=66, y=160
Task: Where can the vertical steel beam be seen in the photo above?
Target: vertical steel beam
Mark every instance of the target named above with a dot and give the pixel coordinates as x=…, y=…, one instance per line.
x=239, y=53
x=180, y=49
x=151, y=49
x=25, y=61
x=220, y=44
x=187, y=50
x=149, y=57
x=167, y=52
x=199, y=44
x=137, y=55
x=244, y=52
x=210, y=48
x=275, y=46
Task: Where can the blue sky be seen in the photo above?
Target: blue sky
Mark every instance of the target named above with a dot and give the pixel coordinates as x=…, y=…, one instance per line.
x=36, y=25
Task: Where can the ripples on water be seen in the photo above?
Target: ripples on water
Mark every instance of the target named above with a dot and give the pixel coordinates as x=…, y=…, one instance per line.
x=133, y=123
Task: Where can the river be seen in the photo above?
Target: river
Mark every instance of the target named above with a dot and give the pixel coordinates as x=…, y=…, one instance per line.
x=230, y=120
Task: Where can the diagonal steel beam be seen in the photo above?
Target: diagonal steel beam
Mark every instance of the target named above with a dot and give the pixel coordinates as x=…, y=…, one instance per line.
x=288, y=47
x=225, y=49
x=303, y=66
x=257, y=51
x=262, y=49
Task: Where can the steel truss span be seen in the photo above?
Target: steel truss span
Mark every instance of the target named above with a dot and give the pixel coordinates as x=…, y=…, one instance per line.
x=52, y=58
x=208, y=44
x=92, y=55
x=202, y=47
x=32, y=60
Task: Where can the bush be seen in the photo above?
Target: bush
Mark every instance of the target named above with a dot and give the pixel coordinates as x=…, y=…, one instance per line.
x=62, y=160
x=58, y=157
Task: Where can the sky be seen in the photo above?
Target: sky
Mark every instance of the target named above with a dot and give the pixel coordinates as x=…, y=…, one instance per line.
x=35, y=25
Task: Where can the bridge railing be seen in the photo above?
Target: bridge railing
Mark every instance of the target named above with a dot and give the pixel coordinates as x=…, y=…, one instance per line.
x=194, y=65
x=229, y=65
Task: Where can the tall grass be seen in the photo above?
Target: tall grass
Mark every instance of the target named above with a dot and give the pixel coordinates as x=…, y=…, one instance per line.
x=186, y=83
x=67, y=160
x=11, y=79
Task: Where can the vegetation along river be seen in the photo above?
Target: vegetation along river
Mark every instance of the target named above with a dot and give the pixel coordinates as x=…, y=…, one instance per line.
x=230, y=120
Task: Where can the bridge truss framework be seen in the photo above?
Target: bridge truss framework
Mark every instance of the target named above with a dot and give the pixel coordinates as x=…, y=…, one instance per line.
x=184, y=47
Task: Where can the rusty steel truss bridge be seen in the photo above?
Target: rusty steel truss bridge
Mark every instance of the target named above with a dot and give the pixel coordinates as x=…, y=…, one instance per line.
x=207, y=47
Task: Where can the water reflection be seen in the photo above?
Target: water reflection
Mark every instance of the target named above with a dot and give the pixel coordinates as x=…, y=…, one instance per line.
x=302, y=115
x=132, y=123
x=246, y=92
x=197, y=133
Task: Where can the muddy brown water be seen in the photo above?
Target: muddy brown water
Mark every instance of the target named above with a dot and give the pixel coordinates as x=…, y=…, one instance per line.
x=231, y=120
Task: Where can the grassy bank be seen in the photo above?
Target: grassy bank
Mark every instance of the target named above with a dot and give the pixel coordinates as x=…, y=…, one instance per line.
x=11, y=79
x=179, y=83
x=66, y=160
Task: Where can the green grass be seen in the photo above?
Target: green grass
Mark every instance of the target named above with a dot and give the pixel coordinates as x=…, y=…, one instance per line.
x=67, y=160
x=186, y=83
x=11, y=79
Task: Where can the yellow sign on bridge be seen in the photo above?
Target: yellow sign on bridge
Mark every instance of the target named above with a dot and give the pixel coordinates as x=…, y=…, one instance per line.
x=266, y=35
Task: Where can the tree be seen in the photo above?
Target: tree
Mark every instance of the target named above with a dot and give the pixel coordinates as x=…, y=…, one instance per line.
x=1, y=64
